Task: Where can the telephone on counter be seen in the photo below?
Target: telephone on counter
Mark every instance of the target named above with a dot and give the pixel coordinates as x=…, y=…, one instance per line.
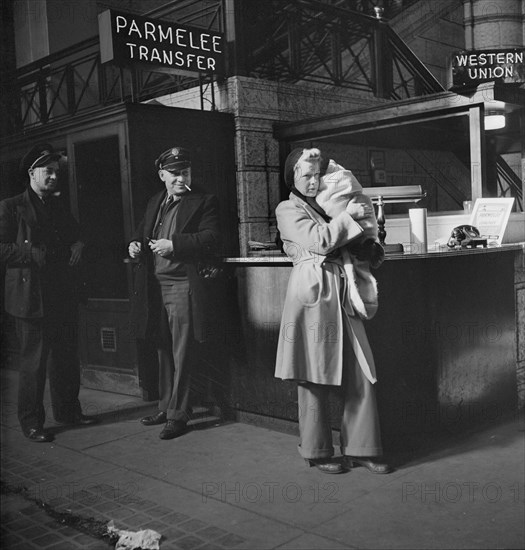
x=466, y=236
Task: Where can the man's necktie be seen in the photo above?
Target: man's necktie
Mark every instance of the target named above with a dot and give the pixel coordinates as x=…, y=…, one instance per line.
x=162, y=214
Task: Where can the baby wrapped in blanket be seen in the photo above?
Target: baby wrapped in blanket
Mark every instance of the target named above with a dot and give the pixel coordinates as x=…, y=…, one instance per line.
x=339, y=187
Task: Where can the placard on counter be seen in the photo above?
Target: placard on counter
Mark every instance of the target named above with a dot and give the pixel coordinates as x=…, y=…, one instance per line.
x=491, y=216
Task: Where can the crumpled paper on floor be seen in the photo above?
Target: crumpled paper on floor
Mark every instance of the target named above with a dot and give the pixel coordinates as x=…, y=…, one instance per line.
x=146, y=539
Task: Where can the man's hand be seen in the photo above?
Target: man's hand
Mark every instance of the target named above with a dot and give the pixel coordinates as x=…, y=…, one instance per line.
x=162, y=247
x=134, y=249
x=76, y=253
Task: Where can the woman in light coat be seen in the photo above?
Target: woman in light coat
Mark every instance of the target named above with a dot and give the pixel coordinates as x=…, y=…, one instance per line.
x=322, y=341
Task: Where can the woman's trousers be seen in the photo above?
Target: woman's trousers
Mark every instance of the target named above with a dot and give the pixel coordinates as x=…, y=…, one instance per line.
x=360, y=432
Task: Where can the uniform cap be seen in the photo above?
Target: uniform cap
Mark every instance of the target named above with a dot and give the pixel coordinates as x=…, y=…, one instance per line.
x=39, y=155
x=174, y=159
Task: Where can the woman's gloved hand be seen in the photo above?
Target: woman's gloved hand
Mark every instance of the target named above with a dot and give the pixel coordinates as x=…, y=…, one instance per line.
x=359, y=210
x=370, y=251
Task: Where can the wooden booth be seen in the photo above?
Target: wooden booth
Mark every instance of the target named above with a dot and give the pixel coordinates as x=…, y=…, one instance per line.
x=444, y=341
x=448, y=336
x=110, y=177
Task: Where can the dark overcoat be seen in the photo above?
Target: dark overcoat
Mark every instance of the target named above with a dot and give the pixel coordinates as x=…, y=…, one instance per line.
x=25, y=257
x=196, y=239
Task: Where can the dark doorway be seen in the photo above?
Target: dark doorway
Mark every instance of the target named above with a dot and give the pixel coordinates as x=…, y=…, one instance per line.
x=98, y=178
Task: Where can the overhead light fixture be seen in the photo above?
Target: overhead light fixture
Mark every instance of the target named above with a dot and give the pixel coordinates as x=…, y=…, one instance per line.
x=494, y=119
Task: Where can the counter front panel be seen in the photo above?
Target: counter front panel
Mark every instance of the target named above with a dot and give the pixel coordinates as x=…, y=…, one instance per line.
x=443, y=340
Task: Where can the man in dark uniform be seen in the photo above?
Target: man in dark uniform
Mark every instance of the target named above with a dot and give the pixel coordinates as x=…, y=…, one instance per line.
x=41, y=248
x=180, y=228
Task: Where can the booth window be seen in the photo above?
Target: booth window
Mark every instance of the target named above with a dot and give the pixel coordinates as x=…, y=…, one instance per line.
x=434, y=153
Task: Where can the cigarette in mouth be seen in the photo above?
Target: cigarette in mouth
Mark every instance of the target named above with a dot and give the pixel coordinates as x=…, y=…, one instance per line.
x=187, y=187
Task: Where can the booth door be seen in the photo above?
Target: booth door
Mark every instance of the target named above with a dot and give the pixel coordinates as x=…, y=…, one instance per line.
x=98, y=170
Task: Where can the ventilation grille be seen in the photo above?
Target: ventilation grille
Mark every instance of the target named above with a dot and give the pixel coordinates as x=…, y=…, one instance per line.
x=108, y=339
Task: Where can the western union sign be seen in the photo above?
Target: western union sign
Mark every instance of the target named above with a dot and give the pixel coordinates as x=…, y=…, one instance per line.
x=474, y=67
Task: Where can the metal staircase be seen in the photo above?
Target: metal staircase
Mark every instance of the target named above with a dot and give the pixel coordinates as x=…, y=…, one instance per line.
x=328, y=44
x=322, y=42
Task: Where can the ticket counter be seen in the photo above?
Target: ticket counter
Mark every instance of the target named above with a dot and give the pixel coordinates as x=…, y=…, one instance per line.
x=446, y=339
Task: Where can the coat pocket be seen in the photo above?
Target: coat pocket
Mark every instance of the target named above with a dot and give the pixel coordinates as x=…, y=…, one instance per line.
x=22, y=293
x=308, y=284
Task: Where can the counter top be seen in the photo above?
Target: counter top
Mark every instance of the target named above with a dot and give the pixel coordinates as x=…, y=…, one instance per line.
x=282, y=259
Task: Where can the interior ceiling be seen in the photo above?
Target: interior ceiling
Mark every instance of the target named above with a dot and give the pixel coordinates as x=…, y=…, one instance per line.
x=442, y=134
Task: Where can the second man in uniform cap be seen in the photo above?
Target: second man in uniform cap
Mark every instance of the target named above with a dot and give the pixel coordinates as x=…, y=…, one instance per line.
x=179, y=229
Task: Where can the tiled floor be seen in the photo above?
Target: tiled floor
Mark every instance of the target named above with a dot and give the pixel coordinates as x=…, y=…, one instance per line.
x=242, y=487
x=27, y=526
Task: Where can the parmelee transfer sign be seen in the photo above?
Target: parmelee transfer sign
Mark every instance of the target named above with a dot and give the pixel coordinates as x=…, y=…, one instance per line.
x=127, y=39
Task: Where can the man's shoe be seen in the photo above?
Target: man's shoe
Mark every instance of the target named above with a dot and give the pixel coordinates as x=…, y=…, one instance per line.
x=325, y=465
x=79, y=420
x=38, y=435
x=173, y=429
x=154, y=419
x=370, y=463
x=85, y=420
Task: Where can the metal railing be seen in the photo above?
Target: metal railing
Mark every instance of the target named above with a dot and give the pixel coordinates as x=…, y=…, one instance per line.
x=55, y=87
x=326, y=43
x=74, y=81
x=65, y=85
x=411, y=75
x=509, y=183
x=299, y=40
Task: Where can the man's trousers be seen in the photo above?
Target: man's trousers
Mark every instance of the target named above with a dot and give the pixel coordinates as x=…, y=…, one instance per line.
x=48, y=344
x=174, y=350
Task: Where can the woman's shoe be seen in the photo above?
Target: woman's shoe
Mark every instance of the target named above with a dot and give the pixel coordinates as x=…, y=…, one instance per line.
x=325, y=465
x=370, y=463
x=173, y=429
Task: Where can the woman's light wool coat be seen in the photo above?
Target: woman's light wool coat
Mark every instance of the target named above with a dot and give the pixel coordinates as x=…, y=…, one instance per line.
x=317, y=304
